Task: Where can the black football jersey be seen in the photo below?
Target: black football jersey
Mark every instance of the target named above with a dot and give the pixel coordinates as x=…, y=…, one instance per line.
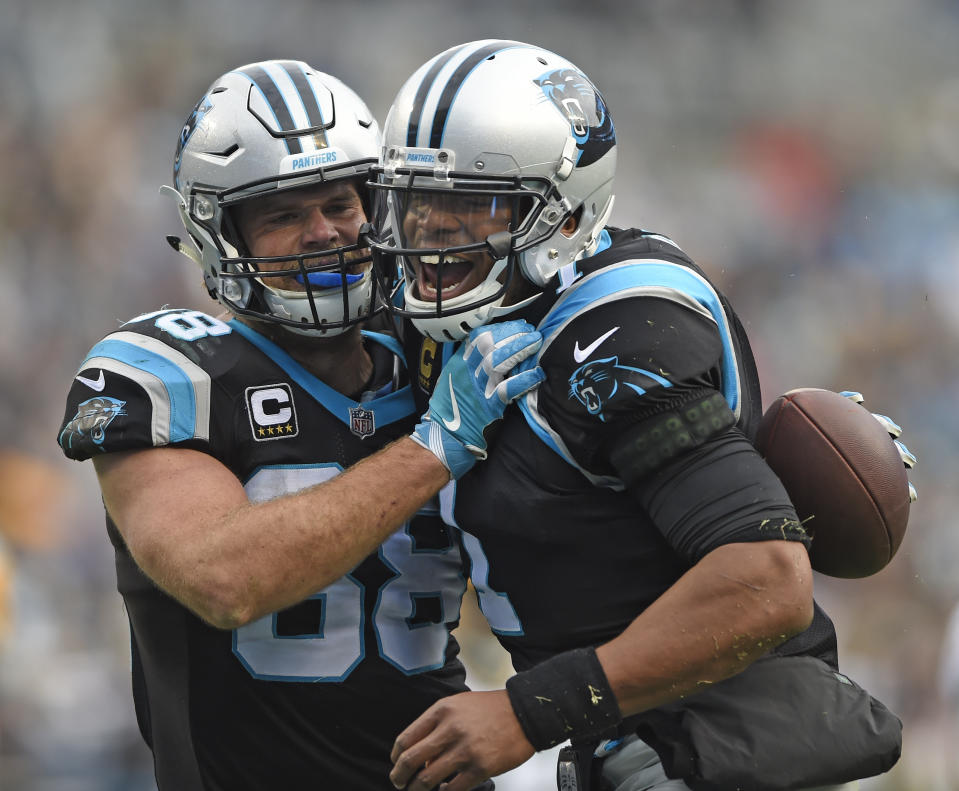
x=312, y=696
x=564, y=555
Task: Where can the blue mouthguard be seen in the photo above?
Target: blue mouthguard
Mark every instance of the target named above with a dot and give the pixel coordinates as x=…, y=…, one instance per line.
x=328, y=279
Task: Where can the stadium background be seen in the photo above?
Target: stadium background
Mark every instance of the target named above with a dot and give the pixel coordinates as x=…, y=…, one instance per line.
x=805, y=153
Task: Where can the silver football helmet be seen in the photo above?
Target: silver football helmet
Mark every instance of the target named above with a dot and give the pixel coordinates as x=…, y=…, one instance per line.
x=498, y=163
x=261, y=128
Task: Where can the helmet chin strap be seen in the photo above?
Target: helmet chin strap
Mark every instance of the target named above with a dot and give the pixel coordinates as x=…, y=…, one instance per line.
x=502, y=310
x=188, y=250
x=500, y=245
x=495, y=311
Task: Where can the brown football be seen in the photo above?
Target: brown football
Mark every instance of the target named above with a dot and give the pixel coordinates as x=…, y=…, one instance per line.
x=845, y=476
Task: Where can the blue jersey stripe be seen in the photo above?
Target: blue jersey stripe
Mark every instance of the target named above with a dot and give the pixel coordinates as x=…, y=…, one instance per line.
x=657, y=278
x=605, y=242
x=177, y=382
x=385, y=340
x=643, y=277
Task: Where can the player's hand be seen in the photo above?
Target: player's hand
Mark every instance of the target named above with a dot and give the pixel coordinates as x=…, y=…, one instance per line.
x=460, y=741
x=895, y=431
x=474, y=389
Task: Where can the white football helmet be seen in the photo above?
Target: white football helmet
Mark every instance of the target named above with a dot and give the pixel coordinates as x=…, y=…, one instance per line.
x=490, y=128
x=259, y=129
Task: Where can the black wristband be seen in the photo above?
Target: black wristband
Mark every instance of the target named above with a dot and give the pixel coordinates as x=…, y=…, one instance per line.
x=565, y=697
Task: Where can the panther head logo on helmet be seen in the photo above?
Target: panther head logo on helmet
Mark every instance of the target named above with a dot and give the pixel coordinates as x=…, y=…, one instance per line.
x=577, y=98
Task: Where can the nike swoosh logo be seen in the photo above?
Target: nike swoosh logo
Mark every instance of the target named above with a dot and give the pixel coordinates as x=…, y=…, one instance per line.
x=581, y=354
x=93, y=384
x=453, y=424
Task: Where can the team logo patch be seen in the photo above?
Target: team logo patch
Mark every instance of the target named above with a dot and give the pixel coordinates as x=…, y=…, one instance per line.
x=90, y=423
x=189, y=127
x=272, y=412
x=598, y=384
x=362, y=422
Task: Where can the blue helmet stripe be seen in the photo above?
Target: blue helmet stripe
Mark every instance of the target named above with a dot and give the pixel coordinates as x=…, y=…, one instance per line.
x=454, y=84
x=271, y=92
x=420, y=99
x=303, y=87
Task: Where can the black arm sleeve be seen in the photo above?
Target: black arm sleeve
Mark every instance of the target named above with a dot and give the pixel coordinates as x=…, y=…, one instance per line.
x=722, y=492
x=647, y=446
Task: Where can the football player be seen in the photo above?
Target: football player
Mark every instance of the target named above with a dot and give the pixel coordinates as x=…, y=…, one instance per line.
x=636, y=551
x=282, y=632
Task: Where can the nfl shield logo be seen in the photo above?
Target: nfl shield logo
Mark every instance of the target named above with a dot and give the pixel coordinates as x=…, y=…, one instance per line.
x=361, y=422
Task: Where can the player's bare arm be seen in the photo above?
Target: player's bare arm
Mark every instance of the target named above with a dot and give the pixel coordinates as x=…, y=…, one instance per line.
x=189, y=525
x=732, y=607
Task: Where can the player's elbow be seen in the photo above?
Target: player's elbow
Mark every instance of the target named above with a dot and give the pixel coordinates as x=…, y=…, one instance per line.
x=227, y=620
x=224, y=604
x=212, y=591
x=792, y=609
x=768, y=584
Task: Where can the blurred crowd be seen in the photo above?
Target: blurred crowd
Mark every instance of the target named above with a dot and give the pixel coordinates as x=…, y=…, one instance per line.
x=805, y=154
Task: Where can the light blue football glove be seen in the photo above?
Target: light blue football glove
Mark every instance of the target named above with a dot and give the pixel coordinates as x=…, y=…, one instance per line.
x=474, y=389
x=895, y=431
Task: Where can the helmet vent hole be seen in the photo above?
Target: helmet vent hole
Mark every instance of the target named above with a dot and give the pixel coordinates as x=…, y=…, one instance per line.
x=541, y=60
x=226, y=152
x=218, y=90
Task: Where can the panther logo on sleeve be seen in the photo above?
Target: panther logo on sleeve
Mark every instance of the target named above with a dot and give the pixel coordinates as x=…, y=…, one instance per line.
x=91, y=421
x=597, y=384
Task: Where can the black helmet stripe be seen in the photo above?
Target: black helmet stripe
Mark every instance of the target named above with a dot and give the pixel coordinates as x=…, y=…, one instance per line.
x=277, y=103
x=420, y=99
x=313, y=112
x=455, y=83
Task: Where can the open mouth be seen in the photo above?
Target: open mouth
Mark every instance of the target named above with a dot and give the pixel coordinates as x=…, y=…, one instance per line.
x=455, y=273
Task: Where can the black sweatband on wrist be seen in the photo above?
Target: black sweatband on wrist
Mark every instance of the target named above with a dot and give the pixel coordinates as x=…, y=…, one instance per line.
x=565, y=697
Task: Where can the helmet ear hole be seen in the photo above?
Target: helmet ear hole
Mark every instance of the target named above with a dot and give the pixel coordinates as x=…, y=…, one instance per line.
x=571, y=226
